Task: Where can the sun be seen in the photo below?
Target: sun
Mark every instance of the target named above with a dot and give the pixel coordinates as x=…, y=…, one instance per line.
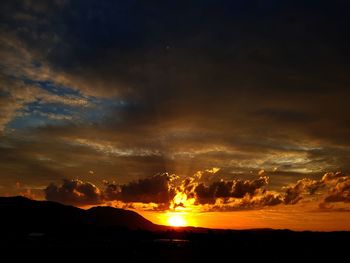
x=176, y=220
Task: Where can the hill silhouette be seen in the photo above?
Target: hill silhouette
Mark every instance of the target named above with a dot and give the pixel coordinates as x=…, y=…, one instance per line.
x=38, y=228
x=21, y=213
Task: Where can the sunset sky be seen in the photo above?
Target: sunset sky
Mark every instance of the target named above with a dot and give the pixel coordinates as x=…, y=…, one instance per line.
x=223, y=114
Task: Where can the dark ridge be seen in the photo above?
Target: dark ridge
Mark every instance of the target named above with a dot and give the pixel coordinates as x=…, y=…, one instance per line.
x=111, y=217
x=30, y=229
x=22, y=213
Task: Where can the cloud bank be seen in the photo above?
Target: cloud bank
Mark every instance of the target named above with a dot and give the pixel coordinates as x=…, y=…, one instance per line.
x=170, y=192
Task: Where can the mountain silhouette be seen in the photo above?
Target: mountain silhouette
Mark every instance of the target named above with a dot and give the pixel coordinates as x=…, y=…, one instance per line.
x=112, y=217
x=31, y=228
x=20, y=213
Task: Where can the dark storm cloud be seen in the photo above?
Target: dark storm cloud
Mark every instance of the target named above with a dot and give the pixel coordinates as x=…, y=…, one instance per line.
x=167, y=192
x=340, y=193
x=331, y=188
x=252, y=194
x=184, y=86
x=258, y=202
x=340, y=190
x=74, y=192
x=293, y=194
x=160, y=189
x=337, y=185
x=227, y=189
x=155, y=189
x=268, y=199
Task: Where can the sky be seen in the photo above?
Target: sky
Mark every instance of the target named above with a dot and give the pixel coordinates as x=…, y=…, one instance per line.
x=233, y=114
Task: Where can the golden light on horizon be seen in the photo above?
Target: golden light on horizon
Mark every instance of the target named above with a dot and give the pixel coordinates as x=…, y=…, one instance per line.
x=176, y=220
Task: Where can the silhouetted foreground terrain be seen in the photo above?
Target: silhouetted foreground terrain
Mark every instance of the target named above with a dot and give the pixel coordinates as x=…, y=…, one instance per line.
x=35, y=229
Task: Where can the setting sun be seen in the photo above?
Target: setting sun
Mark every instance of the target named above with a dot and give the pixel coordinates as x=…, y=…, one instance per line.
x=176, y=220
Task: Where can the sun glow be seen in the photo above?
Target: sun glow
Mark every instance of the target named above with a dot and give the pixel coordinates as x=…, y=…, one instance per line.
x=176, y=220
x=181, y=202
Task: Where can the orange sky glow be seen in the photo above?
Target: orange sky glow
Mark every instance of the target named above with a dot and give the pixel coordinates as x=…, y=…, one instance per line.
x=278, y=218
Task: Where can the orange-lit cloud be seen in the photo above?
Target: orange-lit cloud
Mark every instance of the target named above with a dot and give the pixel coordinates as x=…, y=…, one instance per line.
x=169, y=192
